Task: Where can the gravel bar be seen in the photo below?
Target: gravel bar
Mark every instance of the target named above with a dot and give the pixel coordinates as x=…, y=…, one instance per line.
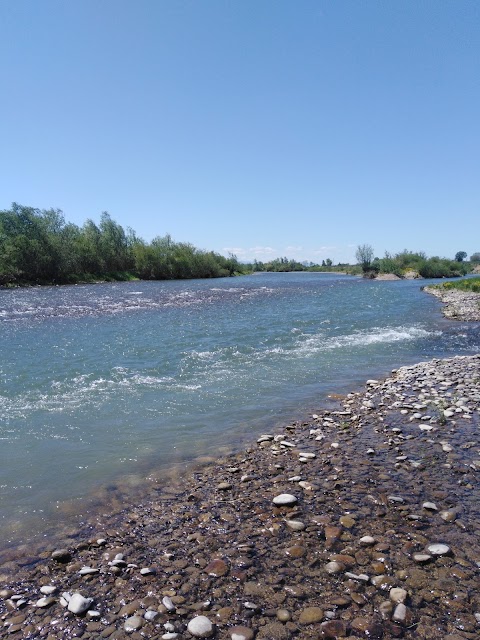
x=459, y=305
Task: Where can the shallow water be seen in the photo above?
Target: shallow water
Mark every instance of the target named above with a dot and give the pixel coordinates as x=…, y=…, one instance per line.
x=109, y=381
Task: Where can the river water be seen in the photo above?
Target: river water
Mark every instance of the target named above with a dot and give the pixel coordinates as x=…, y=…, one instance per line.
x=107, y=383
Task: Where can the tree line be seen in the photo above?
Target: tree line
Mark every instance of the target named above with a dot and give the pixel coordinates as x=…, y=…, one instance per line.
x=404, y=261
x=39, y=246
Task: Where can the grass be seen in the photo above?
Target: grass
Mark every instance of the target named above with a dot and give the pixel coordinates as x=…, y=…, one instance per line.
x=469, y=284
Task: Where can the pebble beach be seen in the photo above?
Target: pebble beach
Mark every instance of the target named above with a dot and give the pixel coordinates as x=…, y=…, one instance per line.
x=362, y=522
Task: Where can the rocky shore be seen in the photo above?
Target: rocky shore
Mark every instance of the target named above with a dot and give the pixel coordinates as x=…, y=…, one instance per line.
x=363, y=522
x=459, y=305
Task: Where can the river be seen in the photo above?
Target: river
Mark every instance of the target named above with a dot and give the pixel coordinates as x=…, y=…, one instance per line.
x=107, y=383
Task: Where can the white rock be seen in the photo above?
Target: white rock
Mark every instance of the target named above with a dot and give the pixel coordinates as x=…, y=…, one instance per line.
x=45, y=602
x=438, y=549
x=306, y=485
x=78, y=604
x=170, y=636
x=48, y=589
x=93, y=615
x=295, y=525
x=151, y=615
x=334, y=567
x=265, y=438
x=398, y=595
x=168, y=604
x=200, y=627
x=308, y=455
x=285, y=499
x=367, y=541
x=421, y=557
x=133, y=624
x=430, y=506
x=400, y=613
x=86, y=571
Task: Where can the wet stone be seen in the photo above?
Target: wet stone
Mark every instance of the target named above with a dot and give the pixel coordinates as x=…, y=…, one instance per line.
x=310, y=615
x=216, y=568
x=297, y=551
x=133, y=624
x=241, y=633
x=61, y=555
x=333, y=629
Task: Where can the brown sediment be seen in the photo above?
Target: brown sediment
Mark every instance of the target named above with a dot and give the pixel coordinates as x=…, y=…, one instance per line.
x=459, y=305
x=378, y=480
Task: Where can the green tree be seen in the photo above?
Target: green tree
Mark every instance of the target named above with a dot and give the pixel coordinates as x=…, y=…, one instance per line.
x=460, y=256
x=364, y=256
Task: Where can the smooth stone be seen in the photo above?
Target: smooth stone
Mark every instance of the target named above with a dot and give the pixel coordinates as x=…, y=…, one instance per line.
x=45, y=602
x=398, y=595
x=200, y=627
x=86, y=571
x=307, y=456
x=48, y=589
x=133, y=624
x=333, y=629
x=168, y=603
x=400, y=613
x=310, y=615
x=297, y=551
x=170, y=635
x=284, y=615
x=430, y=506
x=61, y=555
x=224, y=486
x=422, y=557
x=285, y=500
x=93, y=615
x=334, y=567
x=448, y=516
x=146, y=571
x=151, y=615
x=295, y=525
x=241, y=633
x=438, y=549
x=347, y=521
x=216, y=568
x=265, y=438
x=308, y=486
x=78, y=604
x=367, y=541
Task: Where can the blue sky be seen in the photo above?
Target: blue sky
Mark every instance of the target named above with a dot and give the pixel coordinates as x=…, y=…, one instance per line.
x=267, y=128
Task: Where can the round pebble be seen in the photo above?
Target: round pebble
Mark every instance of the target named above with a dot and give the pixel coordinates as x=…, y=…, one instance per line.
x=285, y=500
x=438, y=549
x=200, y=627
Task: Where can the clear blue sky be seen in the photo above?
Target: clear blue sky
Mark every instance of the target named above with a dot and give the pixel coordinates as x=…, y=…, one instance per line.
x=262, y=127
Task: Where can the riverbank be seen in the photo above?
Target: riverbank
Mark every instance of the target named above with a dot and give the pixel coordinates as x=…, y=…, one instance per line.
x=458, y=305
x=381, y=539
